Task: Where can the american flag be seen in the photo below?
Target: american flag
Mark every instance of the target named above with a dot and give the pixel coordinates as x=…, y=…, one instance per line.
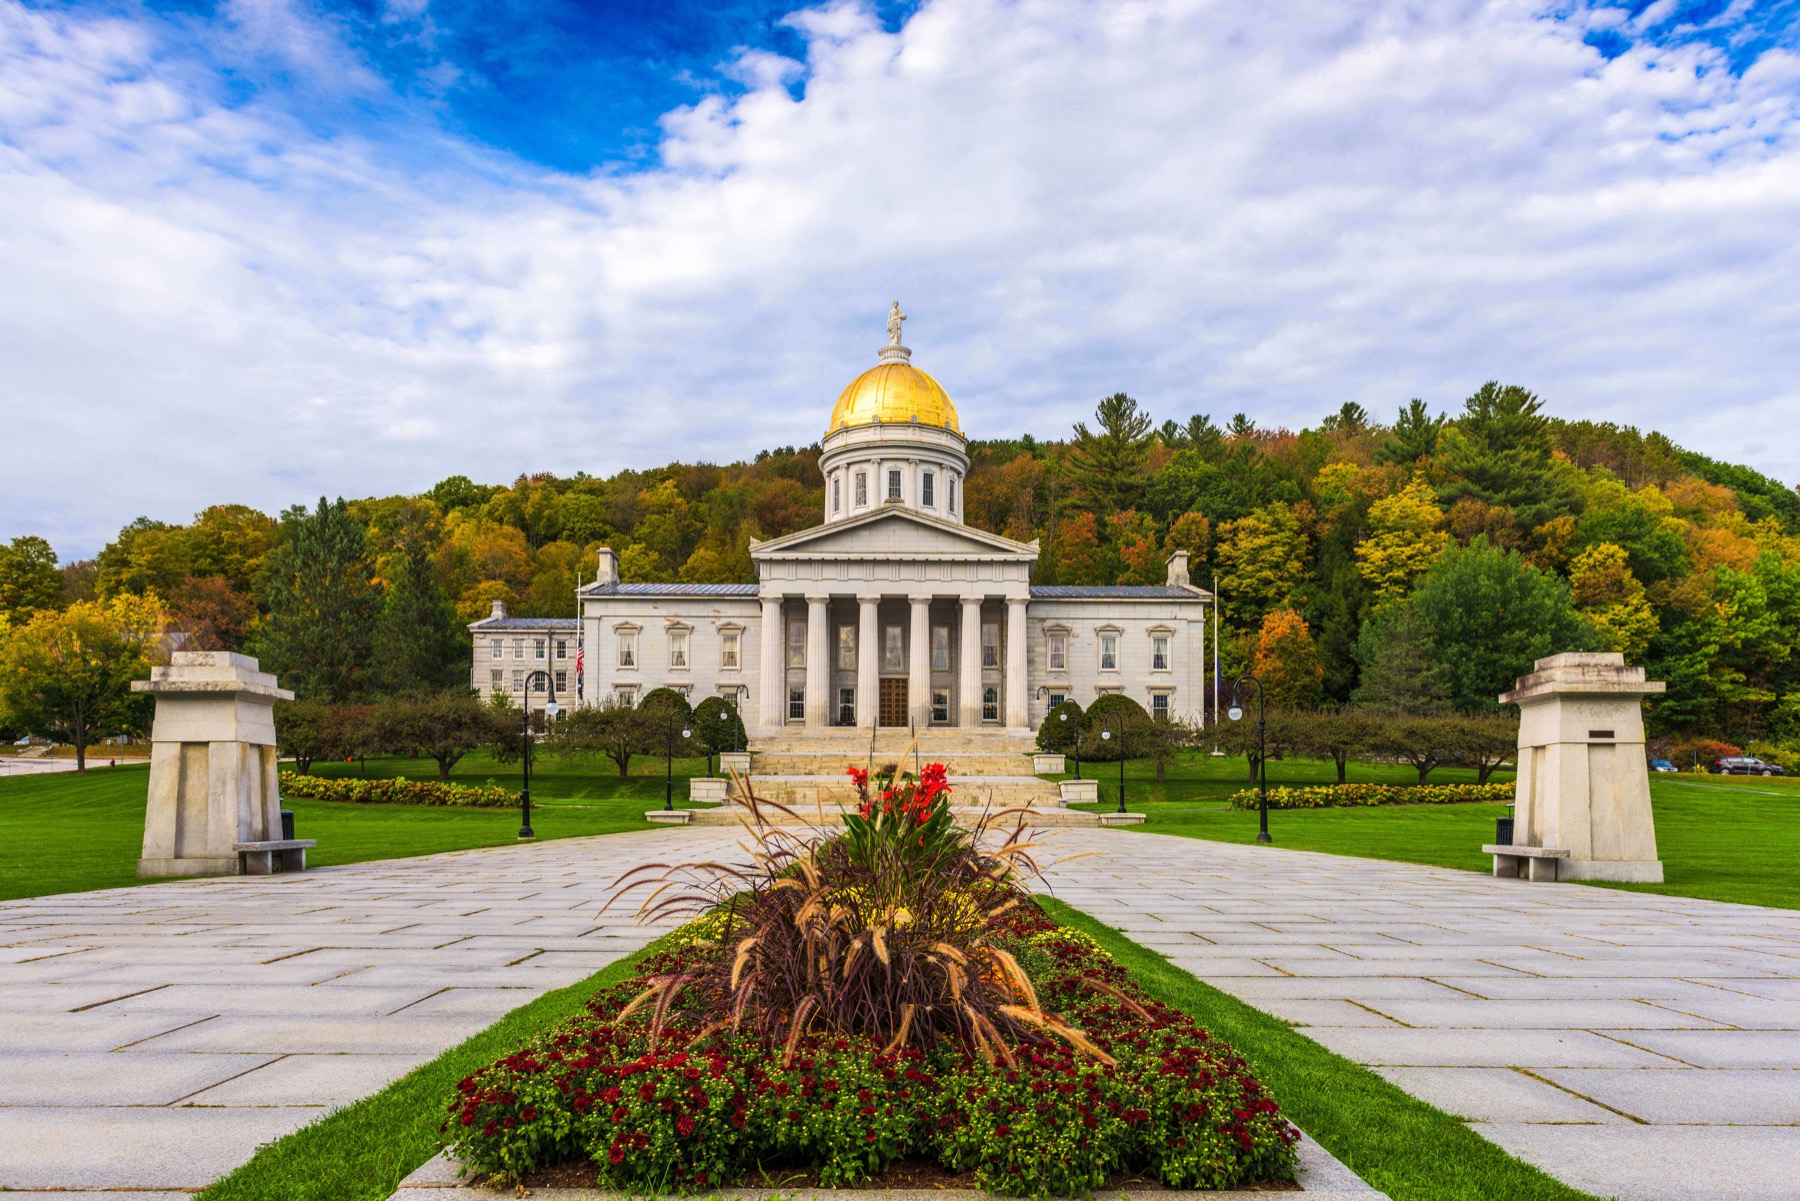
x=580, y=650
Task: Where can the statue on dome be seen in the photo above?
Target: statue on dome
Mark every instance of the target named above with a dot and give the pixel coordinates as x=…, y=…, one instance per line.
x=895, y=317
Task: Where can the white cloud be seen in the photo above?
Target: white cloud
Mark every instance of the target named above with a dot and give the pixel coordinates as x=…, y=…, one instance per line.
x=1215, y=206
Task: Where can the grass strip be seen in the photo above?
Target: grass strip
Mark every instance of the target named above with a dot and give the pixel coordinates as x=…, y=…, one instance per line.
x=1396, y=1142
x=363, y=1151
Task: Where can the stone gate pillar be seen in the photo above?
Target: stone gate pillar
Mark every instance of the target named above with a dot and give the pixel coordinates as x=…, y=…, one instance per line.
x=1583, y=782
x=212, y=764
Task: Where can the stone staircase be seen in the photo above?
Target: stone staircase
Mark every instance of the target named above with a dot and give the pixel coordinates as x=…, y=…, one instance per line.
x=807, y=771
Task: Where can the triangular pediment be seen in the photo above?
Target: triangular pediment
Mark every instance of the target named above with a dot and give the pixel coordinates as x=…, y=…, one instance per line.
x=894, y=533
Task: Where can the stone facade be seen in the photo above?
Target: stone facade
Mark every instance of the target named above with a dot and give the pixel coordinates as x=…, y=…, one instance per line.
x=508, y=650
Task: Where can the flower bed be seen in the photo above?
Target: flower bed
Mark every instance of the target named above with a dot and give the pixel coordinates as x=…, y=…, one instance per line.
x=1332, y=795
x=703, y=1108
x=397, y=790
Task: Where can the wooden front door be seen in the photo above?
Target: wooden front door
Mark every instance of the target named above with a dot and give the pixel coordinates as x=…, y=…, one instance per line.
x=892, y=709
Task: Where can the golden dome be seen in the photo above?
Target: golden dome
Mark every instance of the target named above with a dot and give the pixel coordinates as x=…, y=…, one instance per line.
x=893, y=393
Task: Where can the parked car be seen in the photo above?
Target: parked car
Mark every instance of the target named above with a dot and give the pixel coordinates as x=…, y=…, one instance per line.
x=1746, y=765
x=1662, y=765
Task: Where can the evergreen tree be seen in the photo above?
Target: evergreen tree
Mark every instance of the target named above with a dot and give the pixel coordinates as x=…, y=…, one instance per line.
x=420, y=646
x=1108, y=466
x=322, y=604
x=29, y=579
x=1340, y=609
x=1498, y=452
x=1398, y=674
x=1414, y=436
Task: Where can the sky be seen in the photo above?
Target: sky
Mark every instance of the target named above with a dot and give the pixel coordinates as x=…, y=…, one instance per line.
x=261, y=251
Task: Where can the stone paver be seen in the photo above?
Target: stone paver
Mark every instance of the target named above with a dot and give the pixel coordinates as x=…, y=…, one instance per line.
x=151, y=1038
x=1633, y=1045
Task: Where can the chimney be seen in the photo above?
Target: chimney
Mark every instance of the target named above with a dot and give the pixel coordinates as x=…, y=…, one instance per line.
x=609, y=568
x=499, y=613
x=1178, y=569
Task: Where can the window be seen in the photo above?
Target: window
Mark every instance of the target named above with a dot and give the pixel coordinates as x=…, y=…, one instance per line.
x=729, y=642
x=562, y=648
x=627, y=648
x=518, y=648
x=925, y=489
x=1159, y=706
x=1159, y=652
x=518, y=683
x=497, y=680
x=796, y=644
x=1109, y=652
x=1057, y=655
x=953, y=494
x=796, y=704
x=940, y=648
x=894, y=484
x=837, y=493
x=626, y=696
x=990, y=646
x=990, y=703
x=1057, y=699
x=678, y=649
x=562, y=681
x=846, y=706
x=893, y=650
x=846, y=644
x=499, y=649
x=537, y=649
x=862, y=489
x=940, y=705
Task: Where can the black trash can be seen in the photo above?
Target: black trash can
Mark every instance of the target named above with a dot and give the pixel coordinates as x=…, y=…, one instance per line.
x=1503, y=831
x=287, y=824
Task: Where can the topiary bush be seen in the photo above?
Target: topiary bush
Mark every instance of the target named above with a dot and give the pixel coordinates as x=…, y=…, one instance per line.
x=1061, y=729
x=717, y=727
x=1123, y=714
x=667, y=698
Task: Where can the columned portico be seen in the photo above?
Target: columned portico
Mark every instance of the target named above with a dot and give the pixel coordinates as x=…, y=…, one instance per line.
x=1017, y=699
x=774, y=701
x=818, y=661
x=918, y=682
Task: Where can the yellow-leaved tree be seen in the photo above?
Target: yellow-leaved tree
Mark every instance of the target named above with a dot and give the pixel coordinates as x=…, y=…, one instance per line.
x=1613, y=600
x=1406, y=536
x=1262, y=559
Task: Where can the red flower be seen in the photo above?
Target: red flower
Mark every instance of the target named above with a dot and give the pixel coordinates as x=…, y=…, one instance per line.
x=685, y=1126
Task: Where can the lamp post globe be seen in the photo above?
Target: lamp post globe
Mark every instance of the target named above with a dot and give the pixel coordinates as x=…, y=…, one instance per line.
x=1063, y=715
x=669, y=764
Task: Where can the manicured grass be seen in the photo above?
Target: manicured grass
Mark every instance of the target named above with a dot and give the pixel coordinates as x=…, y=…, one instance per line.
x=1721, y=838
x=363, y=1151
x=1200, y=776
x=71, y=833
x=1397, y=1143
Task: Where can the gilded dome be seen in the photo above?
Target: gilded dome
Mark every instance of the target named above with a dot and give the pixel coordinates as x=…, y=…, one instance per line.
x=894, y=392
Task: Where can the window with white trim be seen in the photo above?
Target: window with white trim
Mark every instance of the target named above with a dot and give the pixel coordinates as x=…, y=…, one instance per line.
x=927, y=495
x=1109, y=652
x=678, y=649
x=537, y=649
x=518, y=648
x=894, y=484
x=940, y=648
x=562, y=648
x=497, y=680
x=846, y=648
x=627, y=648
x=1056, y=654
x=862, y=489
x=796, y=704
x=1159, y=706
x=1159, y=652
x=626, y=696
x=518, y=683
x=990, y=645
x=893, y=650
x=562, y=681
x=1056, y=700
x=729, y=643
x=990, y=703
x=796, y=644
x=498, y=648
x=846, y=706
x=837, y=493
x=953, y=494
x=940, y=705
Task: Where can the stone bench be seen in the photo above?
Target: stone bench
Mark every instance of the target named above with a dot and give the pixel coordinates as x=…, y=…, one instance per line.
x=1079, y=792
x=1539, y=863
x=275, y=855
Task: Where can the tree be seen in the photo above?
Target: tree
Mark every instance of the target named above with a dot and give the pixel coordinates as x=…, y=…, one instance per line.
x=1287, y=663
x=1498, y=451
x=443, y=726
x=1405, y=538
x=1338, y=734
x=212, y=614
x=1483, y=741
x=1488, y=616
x=1612, y=600
x=419, y=645
x=1107, y=467
x=1262, y=559
x=616, y=729
x=66, y=675
x=1114, y=711
x=718, y=728
x=302, y=730
x=1399, y=675
x=1061, y=731
x=1078, y=552
x=29, y=579
x=1414, y=436
x=1421, y=742
x=322, y=604
x=1192, y=533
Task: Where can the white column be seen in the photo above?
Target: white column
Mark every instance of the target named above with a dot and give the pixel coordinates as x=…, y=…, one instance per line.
x=968, y=664
x=1018, y=712
x=918, y=687
x=773, y=709
x=818, y=661
x=868, y=661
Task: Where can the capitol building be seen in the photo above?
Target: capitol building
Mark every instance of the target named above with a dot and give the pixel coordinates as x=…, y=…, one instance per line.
x=890, y=612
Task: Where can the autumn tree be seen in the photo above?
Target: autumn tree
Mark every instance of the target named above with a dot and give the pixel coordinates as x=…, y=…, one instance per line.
x=322, y=604
x=1612, y=600
x=1262, y=559
x=302, y=732
x=66, y=674
x=442, y=726
x=1107, y=465
x=29, y=579
x=1287, y=662
x=1405, y=538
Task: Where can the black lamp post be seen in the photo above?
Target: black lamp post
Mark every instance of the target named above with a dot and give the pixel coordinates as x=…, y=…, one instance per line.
x=1262, y=750
x=669, y=760
x=1106, y=734
x=551, y=709
x=1064, y=716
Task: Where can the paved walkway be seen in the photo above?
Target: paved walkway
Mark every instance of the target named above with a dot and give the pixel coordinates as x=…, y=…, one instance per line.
x=1629, y=1044
x=152, y=1037
x=1644, y=1046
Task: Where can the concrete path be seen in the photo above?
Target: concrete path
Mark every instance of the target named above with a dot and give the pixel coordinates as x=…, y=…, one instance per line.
x=151, y=1038
x=1628, y=1044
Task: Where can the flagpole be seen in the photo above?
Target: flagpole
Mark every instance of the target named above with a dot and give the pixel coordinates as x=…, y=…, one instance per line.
x=1215, y=649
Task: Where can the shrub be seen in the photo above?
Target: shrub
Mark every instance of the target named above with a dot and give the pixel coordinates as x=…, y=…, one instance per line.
x=717, y=727
x=1683, y=753
x=1118, y=710
x=1061, y=729
x=1336, y=795
x=396, y=791
x=666, y=698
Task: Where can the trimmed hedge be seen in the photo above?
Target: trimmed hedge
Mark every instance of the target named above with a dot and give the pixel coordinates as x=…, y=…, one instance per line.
x=1335, y=795
x=397, y=791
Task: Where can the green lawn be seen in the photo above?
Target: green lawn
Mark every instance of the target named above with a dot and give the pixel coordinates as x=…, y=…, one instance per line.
x=1724, y=838
x=95, y=822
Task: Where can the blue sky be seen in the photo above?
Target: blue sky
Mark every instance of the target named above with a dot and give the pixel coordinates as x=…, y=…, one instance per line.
x=265, y=249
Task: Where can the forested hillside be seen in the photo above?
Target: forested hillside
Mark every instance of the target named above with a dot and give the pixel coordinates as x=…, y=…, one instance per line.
x=1415, y=563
